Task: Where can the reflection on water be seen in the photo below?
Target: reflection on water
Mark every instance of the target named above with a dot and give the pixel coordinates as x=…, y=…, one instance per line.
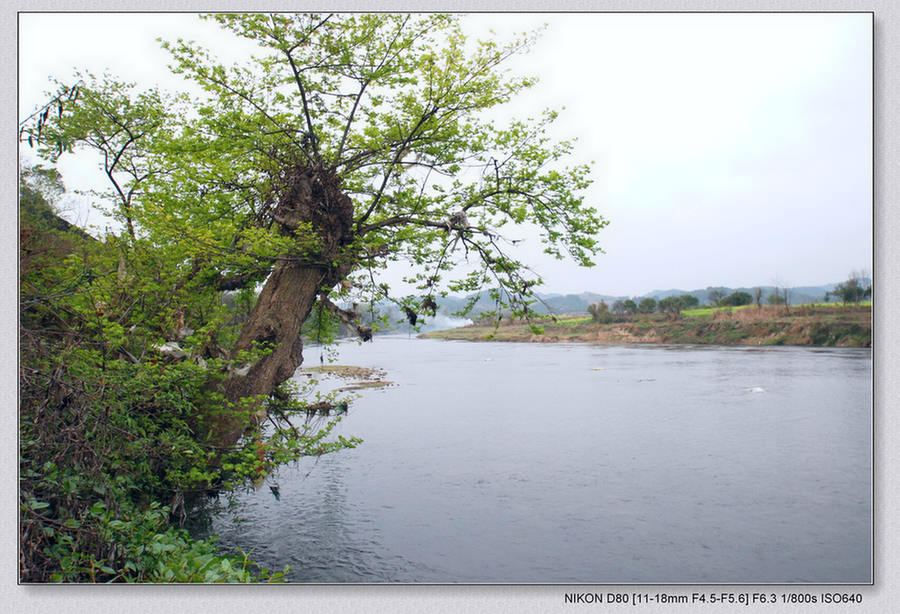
x=491, y=462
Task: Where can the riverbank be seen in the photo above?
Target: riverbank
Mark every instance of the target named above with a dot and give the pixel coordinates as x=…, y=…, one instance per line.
x=831, y=325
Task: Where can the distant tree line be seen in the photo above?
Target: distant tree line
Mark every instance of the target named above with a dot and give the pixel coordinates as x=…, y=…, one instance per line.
x=856, y=289
x=672, y=305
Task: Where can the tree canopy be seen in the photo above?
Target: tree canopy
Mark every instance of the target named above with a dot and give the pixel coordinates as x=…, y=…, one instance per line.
x=647, y=305
x=388, y=108
x=673, y=305
x=854, y=289
x=349, y=143
x=736, y=299
x=260, y=206
x=600, y=312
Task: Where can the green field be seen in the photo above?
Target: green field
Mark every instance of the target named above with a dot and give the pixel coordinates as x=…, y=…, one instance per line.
x=707, y=312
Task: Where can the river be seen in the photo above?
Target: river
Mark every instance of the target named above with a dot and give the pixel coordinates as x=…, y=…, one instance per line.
x=557, y=463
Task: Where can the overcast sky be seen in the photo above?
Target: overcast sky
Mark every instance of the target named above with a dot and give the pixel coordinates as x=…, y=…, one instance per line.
x=728, y=149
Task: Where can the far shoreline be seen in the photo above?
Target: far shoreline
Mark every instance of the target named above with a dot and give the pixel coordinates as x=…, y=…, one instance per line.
x=815, y=326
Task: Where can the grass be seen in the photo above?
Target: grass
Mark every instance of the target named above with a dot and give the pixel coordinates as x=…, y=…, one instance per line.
x=571, y=321
x=709, y=311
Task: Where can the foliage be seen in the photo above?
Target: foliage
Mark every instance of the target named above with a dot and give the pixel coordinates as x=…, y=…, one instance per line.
x=670, y=305
x=111, y=429
x=673, y=305
x=346, y=144
x=647, y=305
x=391, y=104
x=630, y=306
x=736, y=299
x=600, y=313
x=715, y=295
x=854, y=290
x=688, y=301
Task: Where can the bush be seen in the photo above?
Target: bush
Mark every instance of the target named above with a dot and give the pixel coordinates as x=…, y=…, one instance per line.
x=600, y=313
x=736, y=299
x=115, y=434
x=647, y=305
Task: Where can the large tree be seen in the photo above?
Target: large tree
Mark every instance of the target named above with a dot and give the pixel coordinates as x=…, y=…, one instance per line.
x=349, y=142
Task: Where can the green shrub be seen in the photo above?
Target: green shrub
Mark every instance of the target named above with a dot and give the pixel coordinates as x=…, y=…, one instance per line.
x=116, y=437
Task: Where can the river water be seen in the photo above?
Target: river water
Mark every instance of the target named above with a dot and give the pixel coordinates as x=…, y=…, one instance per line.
x=556, y=463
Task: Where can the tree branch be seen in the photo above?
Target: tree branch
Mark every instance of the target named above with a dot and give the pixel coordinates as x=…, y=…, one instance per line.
x=401, y=151
x=348, y=317
x=364, y=85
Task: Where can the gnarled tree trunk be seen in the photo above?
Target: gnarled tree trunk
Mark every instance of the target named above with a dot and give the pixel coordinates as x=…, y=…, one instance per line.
x=313, y=197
